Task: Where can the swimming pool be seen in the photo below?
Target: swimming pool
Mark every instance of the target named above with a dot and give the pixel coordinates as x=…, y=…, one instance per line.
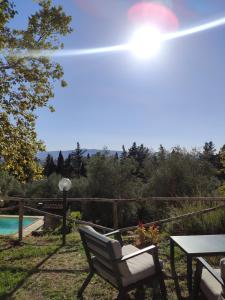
x=9, y=224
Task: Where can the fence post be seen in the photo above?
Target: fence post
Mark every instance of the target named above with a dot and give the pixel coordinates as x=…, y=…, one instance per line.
x=21, y=212
x=115, y=215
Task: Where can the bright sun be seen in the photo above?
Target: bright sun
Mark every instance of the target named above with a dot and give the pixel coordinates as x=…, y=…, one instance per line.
x=146, y=42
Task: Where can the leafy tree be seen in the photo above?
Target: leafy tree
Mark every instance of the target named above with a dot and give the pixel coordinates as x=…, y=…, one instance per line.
x=26, y=82
x=9, y=185
x=221, y=164
x=45, y=188
x=139, y=154
x=161, y=153
x=209, y=149
x=49, y=166
x=209, y=153
x=221, y=170
x=132, y=152
x=60, y=164
x=111, y=178
x=182, y=174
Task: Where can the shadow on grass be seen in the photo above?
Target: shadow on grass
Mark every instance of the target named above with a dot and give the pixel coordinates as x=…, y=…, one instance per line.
x=36, y=270
x=29, y=273
x=6, y=248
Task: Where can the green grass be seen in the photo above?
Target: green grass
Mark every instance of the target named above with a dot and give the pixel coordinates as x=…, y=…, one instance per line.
x=42, y=269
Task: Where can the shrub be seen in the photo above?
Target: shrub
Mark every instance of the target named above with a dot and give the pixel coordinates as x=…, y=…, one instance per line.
x=209, y=223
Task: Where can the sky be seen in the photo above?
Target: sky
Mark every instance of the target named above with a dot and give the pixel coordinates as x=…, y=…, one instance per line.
x=114, y=99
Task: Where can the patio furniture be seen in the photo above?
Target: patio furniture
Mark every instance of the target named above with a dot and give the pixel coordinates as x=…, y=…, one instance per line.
x=196, y=245
x=210, y=282
x=124, y=267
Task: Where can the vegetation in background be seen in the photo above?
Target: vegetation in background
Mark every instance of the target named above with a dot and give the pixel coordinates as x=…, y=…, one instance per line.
x=26, y=83
x=211, y=222
x=137, y=173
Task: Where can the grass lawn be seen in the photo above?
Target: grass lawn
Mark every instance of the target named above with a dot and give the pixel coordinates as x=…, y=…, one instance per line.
x=42, y=269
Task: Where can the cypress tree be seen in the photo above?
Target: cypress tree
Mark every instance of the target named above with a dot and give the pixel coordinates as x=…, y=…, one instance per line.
x=209, y=153
x=123, y=154
x=60, y=164
x=132, y=152
x=49, y=166
x=116, y=156
x=68, y=170
x=77, y=162
x=139, y=154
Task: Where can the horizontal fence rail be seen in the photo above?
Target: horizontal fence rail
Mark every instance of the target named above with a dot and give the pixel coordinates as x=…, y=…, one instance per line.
x=17, y=199
x=9, y=208
x=103, y=228
x=191, y=214
x=27, y=203
x=42, y=212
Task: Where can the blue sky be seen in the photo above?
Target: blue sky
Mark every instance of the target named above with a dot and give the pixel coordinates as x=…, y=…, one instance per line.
x=176, y=98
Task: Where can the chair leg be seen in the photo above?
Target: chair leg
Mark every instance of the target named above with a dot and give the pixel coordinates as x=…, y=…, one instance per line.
x=140, y=293
x=197, y=281
x=84, y=285
x=162, y=287
x=122, y=295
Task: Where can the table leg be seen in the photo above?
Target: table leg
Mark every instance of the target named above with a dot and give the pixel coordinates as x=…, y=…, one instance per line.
x=172, y=255
x=189, y=273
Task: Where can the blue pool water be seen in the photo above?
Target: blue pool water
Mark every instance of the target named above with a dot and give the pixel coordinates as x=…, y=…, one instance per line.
x=9, y=225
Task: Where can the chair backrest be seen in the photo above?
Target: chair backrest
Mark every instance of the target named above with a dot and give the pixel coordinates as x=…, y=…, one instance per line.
x=104, y=249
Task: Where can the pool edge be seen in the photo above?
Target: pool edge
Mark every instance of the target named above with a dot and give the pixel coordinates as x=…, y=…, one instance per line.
x=28, y=229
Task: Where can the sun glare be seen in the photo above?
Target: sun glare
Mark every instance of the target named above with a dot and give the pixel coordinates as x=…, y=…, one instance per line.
x=146, y=42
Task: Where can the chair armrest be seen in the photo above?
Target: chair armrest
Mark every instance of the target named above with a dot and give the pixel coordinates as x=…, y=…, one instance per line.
x=149, y=249
x=117, y=235
x=112, y=233
x=202, y=263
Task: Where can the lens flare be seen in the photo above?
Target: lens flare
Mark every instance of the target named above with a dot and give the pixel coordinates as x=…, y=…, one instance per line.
x=146, y=42
x=196, y=29
x=111, y=49
x=154, y=14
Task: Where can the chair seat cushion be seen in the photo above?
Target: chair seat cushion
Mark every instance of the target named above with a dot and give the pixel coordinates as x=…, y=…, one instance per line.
x=136, y=268
x=210, y=287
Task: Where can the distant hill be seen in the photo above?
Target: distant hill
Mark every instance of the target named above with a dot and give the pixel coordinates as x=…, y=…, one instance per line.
x=42, y=155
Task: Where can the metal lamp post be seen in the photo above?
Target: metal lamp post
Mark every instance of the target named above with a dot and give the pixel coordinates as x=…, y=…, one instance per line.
x=64, y=186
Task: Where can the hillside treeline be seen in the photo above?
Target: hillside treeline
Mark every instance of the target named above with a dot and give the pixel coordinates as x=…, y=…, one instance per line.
x=141, y=172
x=137, y=172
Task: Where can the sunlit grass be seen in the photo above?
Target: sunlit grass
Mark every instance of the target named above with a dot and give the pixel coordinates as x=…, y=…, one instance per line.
x=41, y=269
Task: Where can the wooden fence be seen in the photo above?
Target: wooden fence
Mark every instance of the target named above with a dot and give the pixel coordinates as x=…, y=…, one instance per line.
x=25, y=204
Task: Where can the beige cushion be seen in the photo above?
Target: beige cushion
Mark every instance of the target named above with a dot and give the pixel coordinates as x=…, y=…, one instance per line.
x=210, y=287
x=136, y=268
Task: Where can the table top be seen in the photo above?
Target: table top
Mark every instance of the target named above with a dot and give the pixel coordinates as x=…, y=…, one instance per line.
x=201, y=244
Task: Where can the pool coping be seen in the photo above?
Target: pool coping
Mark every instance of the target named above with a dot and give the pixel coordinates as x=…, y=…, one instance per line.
x=28, y=229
